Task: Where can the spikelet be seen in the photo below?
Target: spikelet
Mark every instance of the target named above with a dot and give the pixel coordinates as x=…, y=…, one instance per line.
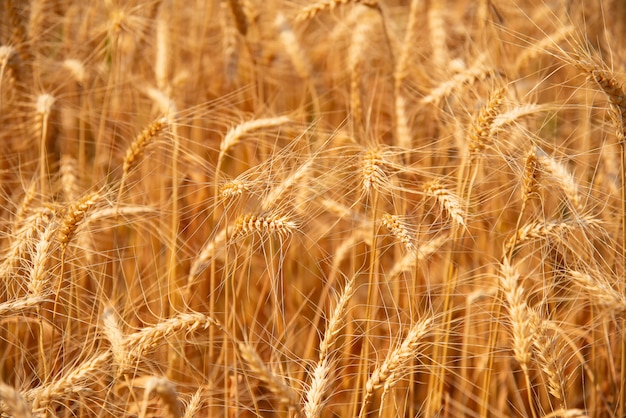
x=536, y=230
x=233, y=188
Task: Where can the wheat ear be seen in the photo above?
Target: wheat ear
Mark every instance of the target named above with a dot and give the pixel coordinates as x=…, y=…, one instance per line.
x=372, y=170
x=264, y=224
x=284, y=393
x=166, y=391
x=393, y=367
x=478, y=71
x=138, y=146
x=448, y=201
x=13, y=402
x=480, y=134
x=397, y=228
x=314, y=9
x=520, y=317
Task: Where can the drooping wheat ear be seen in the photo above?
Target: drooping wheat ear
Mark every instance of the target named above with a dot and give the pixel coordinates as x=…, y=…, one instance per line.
x=314, y=9
x=74, y=217
x=166, y=391
x=20, y=305
x=600, y=291
x=393, y=367
x=536, y=230
x=422, y=252
x=478, y=71
x=75, y=381
x=13, y=403
x=278, y=386
x=69, y=178
x=519, y=314
x=480, y=133
x=372, y=170
x=141, y=342
x=264, y=224
x=449, y=201
x=275, y=193
x=503, y=120
x=234, y=134
x=113, y=332
x=531, y=177
x=399, y=231
x=194, y=405
x=549, y=358
x=559, y=172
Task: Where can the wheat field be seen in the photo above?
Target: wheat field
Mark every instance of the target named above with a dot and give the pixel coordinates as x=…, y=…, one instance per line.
x=341, y=208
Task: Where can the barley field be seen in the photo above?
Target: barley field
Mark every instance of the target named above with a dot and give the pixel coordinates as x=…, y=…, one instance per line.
x=341, y=208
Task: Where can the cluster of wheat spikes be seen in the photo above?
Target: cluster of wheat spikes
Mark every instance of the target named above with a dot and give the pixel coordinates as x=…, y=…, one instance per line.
x=341, y=208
